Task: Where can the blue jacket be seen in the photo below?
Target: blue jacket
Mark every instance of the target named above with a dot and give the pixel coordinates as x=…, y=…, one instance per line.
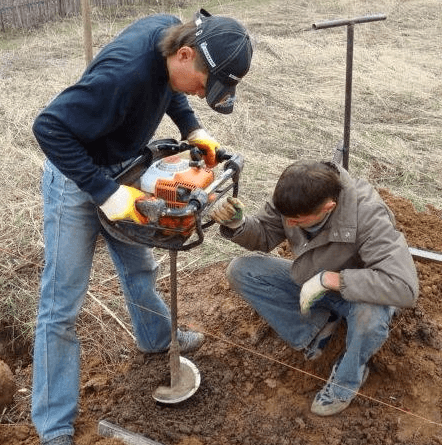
x=114, y=109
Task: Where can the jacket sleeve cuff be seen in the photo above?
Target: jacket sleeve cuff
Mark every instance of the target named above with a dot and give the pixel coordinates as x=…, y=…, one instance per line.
x=227, y=232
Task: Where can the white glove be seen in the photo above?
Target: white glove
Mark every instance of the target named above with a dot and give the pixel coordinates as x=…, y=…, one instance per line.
x=312, y=291
x=121, y=205
x=201, y=139
x=228, y=212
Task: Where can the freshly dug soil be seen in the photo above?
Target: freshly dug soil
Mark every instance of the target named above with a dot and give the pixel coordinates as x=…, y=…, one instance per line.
x=7, y=385
x=257, y=390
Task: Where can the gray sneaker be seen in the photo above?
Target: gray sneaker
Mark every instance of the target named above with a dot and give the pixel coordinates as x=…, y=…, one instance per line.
x=60, y=440
x=326, y=403
x=189, y=340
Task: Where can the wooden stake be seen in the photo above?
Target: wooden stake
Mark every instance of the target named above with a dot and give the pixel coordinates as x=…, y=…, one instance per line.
x=87, y=29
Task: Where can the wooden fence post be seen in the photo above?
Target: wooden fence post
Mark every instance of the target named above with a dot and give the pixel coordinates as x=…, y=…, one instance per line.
x=87, y=28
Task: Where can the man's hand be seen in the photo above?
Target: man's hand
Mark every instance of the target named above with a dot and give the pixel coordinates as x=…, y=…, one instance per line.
x=312, y=291
x=201, y=139
x=121, y=205
x=228, y=212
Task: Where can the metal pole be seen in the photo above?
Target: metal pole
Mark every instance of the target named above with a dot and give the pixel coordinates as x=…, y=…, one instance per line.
x=348, y=85
x=345, y=22
x=344, y=149
x=174, y=350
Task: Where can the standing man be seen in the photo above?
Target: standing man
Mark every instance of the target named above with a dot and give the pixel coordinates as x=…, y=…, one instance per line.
x=350, y=262
x=89, y=133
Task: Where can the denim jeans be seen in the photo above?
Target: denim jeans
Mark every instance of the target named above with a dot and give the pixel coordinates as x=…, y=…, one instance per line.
x=266, y=283
x=71, y=228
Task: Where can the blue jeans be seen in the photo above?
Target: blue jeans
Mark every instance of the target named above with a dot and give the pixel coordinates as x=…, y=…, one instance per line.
x=266, y=283
x=71, y=228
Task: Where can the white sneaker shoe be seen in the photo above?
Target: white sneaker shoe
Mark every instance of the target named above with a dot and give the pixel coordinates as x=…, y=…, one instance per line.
x=326, y=403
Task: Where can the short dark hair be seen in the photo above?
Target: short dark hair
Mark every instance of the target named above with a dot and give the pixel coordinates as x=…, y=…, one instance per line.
x=178, y=36
x=304, y=187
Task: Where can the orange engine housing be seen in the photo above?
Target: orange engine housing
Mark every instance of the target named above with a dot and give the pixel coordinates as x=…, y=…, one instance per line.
x=172, y=179
x=175, y=191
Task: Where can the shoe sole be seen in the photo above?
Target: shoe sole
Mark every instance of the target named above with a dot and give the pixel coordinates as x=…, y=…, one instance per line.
x=330, y=410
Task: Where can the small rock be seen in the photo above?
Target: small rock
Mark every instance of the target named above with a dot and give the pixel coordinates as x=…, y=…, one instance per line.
x=96, y=383
x=271, y=383
x=300, y=423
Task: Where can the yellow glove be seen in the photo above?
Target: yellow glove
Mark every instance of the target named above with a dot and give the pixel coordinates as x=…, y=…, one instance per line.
x=228, y=212
x=121, y=205
x=201, y=139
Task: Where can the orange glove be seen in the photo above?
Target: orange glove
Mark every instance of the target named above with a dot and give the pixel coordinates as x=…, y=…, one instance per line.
x=121, y=205
x=201, y=139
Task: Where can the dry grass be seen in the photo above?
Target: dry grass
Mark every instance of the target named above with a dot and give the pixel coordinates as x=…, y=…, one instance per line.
x=291, y=106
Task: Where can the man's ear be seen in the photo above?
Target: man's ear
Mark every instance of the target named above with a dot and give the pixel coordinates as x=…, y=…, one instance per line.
x=186, y=53
x=329, y=206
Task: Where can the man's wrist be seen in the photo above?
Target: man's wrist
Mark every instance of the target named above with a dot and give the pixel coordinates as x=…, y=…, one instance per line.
x=331, y=280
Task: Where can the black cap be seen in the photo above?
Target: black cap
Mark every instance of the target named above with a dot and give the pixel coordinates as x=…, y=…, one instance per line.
x=227, y=50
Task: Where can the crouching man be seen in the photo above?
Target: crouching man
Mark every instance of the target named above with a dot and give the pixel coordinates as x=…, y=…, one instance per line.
x=350, y=262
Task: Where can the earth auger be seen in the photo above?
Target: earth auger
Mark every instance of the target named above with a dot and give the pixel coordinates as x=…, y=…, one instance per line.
x=180, y=192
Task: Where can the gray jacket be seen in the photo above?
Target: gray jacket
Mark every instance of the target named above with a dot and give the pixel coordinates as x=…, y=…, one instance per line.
x=359, y=240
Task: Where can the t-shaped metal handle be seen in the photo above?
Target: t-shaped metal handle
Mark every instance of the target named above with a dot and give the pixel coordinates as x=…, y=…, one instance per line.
x=349, y=71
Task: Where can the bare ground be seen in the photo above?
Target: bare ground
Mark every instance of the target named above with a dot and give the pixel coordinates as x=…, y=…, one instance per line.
x=255, y=389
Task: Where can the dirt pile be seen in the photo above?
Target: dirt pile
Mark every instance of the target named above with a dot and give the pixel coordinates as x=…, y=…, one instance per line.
x=255, y=389
x=7, y=385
